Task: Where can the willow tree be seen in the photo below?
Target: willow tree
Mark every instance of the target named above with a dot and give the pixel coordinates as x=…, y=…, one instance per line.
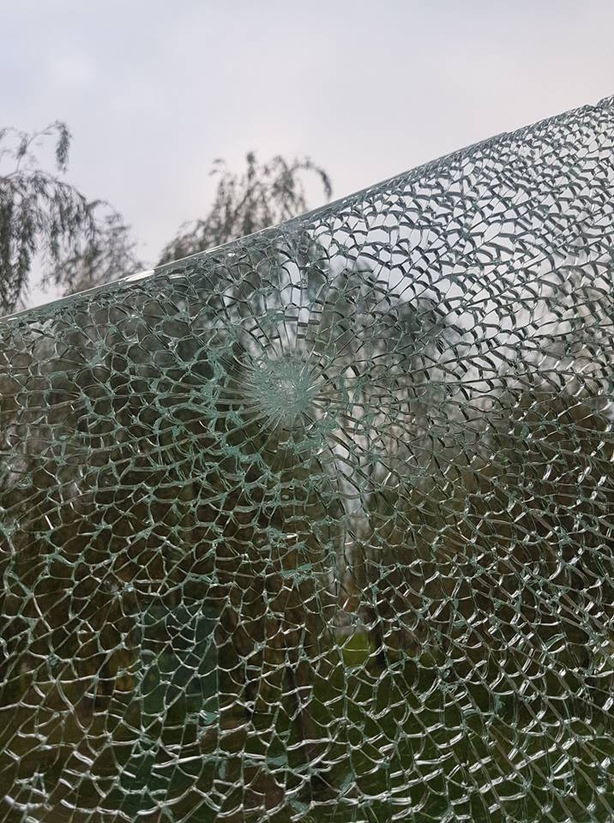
x=264, y=195
x=46, y=222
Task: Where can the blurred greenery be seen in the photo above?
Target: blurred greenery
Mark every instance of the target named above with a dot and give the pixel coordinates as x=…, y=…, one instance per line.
x=147, y=721
x=414, y=741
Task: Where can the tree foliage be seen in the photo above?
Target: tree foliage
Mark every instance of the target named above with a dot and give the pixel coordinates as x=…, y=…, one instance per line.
x=109, y=253
x=43, y=218
x=264, y=195
x=81, y=243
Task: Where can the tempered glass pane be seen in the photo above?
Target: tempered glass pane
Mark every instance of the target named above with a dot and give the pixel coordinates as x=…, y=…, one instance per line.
x=318, y=526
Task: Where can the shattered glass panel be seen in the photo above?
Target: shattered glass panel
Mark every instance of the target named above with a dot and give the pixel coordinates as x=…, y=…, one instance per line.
x=319, y=525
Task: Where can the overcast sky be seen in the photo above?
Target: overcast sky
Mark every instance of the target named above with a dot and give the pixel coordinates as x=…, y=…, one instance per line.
x=153, y=91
